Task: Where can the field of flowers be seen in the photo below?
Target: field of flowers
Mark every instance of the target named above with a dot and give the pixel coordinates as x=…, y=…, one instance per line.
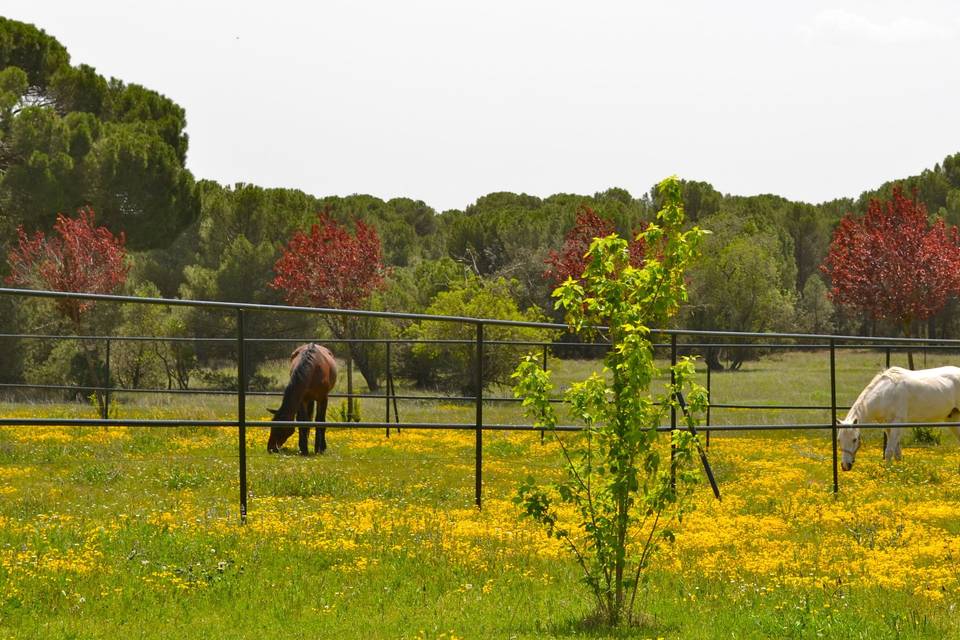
x=109, y=531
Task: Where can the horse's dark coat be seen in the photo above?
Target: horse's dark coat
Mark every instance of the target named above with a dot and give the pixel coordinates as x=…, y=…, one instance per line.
x=313, y=374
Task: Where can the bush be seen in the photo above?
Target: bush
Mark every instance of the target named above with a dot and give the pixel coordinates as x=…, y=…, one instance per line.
x=454, y=366
x=224, y=381
x=341, y=412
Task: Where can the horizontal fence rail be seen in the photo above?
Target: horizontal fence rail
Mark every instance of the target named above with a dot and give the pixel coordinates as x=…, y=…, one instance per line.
x=695, y=340
x=235, y=306
x=446, y=426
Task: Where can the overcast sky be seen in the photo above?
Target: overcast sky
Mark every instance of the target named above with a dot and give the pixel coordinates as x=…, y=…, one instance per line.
x=445, y=101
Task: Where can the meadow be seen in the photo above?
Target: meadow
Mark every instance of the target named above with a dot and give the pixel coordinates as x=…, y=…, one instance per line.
x=135, y=531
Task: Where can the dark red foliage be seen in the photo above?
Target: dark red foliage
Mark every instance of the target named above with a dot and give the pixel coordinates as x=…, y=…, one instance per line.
x=571, y=260
x=329, y=267
x=892, y=262
x=80, y=258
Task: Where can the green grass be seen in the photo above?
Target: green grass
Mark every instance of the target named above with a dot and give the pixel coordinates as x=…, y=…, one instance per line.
x=106, y=532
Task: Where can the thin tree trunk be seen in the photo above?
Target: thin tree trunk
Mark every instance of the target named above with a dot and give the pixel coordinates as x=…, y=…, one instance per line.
x=361, y=356
x=906, y=334
x=360, y=352
x=713, y=359
x=98, y=395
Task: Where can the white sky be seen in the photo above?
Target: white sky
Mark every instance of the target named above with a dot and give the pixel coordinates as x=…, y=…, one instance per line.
x=445, y=101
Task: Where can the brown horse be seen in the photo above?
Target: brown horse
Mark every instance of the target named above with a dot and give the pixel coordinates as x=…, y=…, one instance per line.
x=313, y=373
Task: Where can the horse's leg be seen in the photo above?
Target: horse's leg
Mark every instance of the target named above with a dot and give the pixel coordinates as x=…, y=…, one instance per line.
x=320, y=443
x=302, y=416
x=893, y=443
x=954, y=417
x=307, y=417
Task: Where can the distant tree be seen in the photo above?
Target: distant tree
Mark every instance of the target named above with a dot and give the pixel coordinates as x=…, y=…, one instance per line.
x=403, y=224
x=700, y=199
x=140, y=185
x=70, y=138
x=227, y=255
x=743, y=281
x=571, y=260
x=810, y=231
x=814, y=309
x=24, y=46
x=81, y=257
x=330, y=267
x=454, y=366
x=892, y=263
x=239, y=276
x=158, y=363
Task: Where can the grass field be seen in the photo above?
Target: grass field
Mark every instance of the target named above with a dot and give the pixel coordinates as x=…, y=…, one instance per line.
x=133, y=531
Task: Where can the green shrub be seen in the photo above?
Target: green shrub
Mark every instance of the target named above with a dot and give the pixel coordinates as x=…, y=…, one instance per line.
x=454, y=366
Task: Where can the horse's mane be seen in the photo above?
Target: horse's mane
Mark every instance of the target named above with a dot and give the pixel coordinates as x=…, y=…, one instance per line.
x=300, y=374
x=304, y=358
x=893, y=374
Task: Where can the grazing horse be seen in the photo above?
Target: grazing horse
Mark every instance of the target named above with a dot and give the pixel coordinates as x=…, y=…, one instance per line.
x=313, y=373
x=901, y=395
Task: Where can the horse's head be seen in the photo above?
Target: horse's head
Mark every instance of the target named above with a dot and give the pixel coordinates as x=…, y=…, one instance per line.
x=276, y=415
x=278, y=435
x=848, y=439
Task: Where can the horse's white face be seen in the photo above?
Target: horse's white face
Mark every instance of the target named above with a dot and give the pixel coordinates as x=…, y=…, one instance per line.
x=848, y=439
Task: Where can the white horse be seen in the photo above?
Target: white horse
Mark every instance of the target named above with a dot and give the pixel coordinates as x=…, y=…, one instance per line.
x=901, y=395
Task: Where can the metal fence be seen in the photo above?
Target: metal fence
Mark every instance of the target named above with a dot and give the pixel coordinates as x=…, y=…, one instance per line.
x=693, y=341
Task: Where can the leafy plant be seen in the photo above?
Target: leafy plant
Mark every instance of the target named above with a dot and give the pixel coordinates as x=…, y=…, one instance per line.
x=349, y=413
x=926, y=435
x=622, y=492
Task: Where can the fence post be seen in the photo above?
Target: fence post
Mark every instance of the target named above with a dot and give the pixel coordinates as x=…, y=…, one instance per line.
x=888, y=358
x=544, y=368
x=478, y=472
x=242, y=413
x=393, y=396
x=106, y=393
x=386, y=388
x=833, y=411
x=349, y=387
x=673, y=409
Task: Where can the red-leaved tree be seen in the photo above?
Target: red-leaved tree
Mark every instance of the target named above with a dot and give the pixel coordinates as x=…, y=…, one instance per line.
x=892, y=264
x=80, y=257
x=571, y=260
x=330, y=267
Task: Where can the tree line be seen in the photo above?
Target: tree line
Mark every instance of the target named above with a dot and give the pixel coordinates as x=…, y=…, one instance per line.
x=71, y=140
